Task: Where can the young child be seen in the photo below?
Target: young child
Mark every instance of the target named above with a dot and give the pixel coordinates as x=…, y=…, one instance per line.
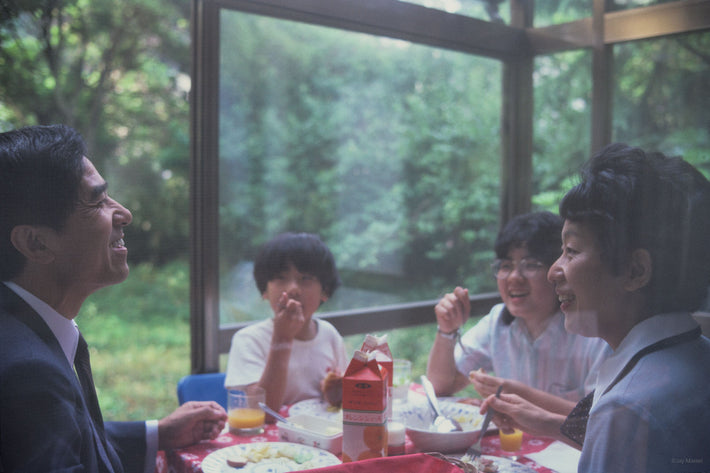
x=290, y=354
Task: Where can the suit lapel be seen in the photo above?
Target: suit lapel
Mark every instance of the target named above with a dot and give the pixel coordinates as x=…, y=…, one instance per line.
x=15, y=306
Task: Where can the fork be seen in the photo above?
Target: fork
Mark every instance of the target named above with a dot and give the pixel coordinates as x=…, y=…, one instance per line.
x=474, y=451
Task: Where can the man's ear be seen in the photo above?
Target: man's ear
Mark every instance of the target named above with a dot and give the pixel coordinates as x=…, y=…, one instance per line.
x=640, y=270
x=31, y=241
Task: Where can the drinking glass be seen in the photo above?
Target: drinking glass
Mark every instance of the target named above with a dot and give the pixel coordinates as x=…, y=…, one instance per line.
x=401, y=379
x=244, y=414
x=511, y=443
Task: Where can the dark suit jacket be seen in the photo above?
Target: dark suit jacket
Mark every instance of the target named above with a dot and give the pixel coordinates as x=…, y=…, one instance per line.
x=45, y=425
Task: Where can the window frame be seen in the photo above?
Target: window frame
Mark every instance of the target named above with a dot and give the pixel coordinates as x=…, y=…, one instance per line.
x=515, y=45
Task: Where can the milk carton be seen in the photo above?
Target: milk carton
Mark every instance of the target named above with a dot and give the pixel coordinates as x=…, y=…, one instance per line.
x=380, y=348
x=364, y=409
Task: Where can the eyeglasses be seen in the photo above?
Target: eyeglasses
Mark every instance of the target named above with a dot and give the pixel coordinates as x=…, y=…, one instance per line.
x=527, y=267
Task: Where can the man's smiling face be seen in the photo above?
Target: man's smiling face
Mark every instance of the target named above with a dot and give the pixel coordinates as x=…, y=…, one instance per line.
x=89, y=250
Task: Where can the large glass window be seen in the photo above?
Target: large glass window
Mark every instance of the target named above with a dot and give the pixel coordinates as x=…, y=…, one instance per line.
x=661, y=98
x=561, y=123
x=387, y=149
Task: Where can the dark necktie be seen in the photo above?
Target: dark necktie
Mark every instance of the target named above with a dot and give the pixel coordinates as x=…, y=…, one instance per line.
x=575, y=426
x=82, y=364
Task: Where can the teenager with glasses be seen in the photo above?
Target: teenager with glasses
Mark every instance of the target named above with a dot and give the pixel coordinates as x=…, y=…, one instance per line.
x=522, y=343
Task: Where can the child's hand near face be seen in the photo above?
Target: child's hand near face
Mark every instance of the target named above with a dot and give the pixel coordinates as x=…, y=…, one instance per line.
x=288, y=319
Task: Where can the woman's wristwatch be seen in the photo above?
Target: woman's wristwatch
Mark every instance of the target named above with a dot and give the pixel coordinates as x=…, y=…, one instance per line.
x=449, y=335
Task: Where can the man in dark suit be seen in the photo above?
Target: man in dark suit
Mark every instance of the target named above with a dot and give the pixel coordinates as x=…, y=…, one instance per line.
x=61, y=239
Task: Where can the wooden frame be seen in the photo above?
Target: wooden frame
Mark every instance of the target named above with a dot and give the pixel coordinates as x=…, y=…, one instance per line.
x=516, y=45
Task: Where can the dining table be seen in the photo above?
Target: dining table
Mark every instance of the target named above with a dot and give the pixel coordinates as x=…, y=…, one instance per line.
x=189, y=459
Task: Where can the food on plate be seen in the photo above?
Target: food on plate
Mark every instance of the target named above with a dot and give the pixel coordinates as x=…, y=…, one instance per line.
x=237, y=461
x=332, y=388
x=259, y=452
x=482, y=465
x=468, y=421
x=486, y=465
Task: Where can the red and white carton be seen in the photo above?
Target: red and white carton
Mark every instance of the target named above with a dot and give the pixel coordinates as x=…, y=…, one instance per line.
x=381, y=349
x=364, y=409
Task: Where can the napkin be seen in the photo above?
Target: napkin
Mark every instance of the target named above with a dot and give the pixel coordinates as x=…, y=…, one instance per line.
x=557, y=456
x=414, y=463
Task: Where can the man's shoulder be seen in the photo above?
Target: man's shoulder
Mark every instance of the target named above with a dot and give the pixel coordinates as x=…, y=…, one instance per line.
x=22, y=346
x=14, y=331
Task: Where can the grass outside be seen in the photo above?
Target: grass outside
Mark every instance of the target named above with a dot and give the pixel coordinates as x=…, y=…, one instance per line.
x=139, y=336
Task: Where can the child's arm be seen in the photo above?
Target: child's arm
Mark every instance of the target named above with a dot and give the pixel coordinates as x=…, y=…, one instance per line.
x=288, y=321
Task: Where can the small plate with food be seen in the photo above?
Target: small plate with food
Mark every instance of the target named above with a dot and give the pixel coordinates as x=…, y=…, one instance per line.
x=274, y=457
x=491, y=464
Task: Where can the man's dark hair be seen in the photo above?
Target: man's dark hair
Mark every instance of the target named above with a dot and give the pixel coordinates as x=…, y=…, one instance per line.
x=305, y=251
x=40, y=173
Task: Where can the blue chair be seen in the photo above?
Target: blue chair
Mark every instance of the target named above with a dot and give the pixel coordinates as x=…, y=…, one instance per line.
x=202, y=387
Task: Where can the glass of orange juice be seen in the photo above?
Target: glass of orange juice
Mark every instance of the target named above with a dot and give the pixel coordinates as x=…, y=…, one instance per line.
x=511, y=442
x=245, y=417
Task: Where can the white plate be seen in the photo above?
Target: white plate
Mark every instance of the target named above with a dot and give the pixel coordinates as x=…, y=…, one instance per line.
x=506, y=465
x=316, y=407
x=216, y=462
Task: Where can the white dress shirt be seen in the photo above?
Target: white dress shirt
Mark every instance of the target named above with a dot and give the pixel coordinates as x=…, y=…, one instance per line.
x=655, y=419
x=557, y=362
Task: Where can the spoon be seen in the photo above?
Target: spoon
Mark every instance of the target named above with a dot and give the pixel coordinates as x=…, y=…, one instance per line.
x=274, y=414
x=441, y=422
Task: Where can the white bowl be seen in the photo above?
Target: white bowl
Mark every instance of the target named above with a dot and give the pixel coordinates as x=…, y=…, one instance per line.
x=419, y=417
x=313, y=431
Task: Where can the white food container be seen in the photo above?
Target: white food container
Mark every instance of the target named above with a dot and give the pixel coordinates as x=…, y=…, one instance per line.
x=312, y=431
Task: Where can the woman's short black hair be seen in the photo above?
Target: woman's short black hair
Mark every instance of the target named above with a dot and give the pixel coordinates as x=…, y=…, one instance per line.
x=539, y=232
x=305, y=251
x=633, y=200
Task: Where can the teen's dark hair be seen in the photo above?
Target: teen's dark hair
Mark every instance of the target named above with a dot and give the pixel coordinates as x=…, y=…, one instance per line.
x=539, y=232
x=40, y=172
x=633, y=200
x=305, y=251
